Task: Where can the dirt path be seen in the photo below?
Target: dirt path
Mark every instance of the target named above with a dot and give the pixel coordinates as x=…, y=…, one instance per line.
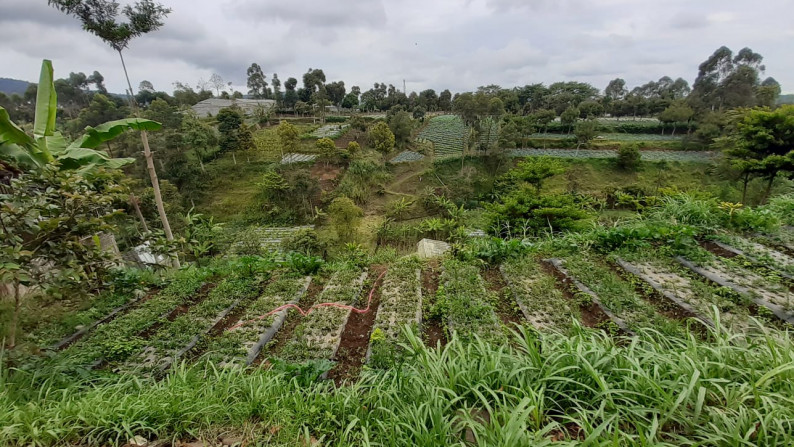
x=432, y=328
x=353, y=345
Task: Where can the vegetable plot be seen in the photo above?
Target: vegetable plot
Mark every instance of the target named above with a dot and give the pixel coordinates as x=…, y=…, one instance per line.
x=332, y=131
x=698, y=298
x=400, y=299
x=447, y=133
x=318, y=335
x=768, y=295
x=542, y=304
x=682, y=156
x=620, y=296
x=175, y=339
x=760, y=253
x=464, y=302
x=117, y=339
x=241, y=345
x=93, y=317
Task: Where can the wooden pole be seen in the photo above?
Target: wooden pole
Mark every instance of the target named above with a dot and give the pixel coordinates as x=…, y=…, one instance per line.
x=134, y=202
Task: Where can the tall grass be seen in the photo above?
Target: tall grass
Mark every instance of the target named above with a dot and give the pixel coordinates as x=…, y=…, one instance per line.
x=580, y=389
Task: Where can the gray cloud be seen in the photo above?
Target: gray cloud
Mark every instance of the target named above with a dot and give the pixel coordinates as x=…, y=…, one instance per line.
x=688, y=20
x=312, y=13
x=431, y=44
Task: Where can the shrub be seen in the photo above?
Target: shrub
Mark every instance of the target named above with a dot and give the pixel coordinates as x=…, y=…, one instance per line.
x=523, y=213
x=492, y=251
x=382, y=138
x=345, y=217
x=305, y=241
x=304, y=264
x=783, y=206
x=353, y=148
x=629, y=157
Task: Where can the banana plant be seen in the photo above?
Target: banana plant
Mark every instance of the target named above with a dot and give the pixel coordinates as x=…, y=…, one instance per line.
x=46, y=145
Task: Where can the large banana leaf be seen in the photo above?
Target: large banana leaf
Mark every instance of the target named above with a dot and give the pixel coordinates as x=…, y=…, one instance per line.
x=17, y=146
x=94, y=136
x=46, y=102
x=83, y=159
x=46, y=145
x=10, y=132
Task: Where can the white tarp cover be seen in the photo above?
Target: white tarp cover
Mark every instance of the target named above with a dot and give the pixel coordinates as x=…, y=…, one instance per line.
x=428, y=248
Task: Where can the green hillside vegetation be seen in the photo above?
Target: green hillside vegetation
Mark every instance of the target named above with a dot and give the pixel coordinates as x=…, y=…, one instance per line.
x=530, y=265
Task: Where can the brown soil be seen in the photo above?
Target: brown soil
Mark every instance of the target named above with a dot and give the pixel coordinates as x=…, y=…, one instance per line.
x=433, y=329
x=570, y=431
x=355, y=337
x=180, y=310
x=350, y=135
x=326, y=174
x=591, y=314
x=717, y=250
x=293, y=318
x=506, y=307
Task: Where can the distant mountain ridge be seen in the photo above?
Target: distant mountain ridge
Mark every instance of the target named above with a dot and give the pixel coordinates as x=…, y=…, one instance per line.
x=11, y=86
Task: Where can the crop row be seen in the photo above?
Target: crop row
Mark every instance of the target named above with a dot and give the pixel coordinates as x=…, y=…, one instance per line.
x=117, y=339
x=180, y=335
x=465, y=303
x=104, y=308
x=543, y=305
x=319, y=334
x=400, y=299
x=768, y=293
x=698, y=297
x=330, y=131
x=291, y=158
x=622, y=137
x=265, y=238
x=620, y=296
x=681, y=156
x=760, y=253
x=241, y=345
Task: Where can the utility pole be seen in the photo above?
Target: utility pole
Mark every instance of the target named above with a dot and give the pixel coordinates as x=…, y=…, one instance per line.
x=404, y=88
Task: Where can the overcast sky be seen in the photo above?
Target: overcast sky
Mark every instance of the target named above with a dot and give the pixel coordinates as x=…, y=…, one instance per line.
x=455, y=44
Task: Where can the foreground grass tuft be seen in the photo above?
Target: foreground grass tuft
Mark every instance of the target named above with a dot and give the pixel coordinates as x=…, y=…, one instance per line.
x=535, y=390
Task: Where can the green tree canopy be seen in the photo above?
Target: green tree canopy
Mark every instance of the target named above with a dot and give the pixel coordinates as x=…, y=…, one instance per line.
x=382, y=138
x=761, y=143
x=345, y=217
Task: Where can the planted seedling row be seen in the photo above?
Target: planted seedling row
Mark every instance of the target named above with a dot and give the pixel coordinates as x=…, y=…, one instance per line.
x=760, y=291
x=179, y=336
x=69, y=340
x=400, y=302
x=757, y=254
x=241, y=345
x=541, y=303
x=318, y=335
x=782, y=240
x=120, y=337
x=656, y=279
x=626, y=297
x=580, y=290
x=672, y=280
x=464, y=301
